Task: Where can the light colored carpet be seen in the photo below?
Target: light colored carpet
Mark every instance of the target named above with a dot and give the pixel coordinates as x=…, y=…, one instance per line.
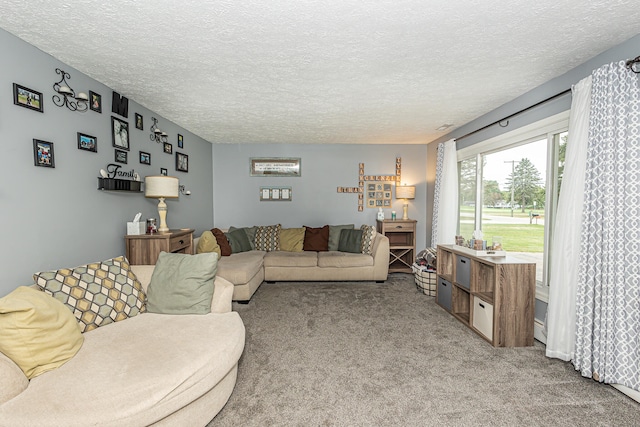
x=368, y=354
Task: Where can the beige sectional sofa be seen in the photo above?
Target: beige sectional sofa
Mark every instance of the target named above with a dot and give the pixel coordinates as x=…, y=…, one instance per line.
x=151, y=369
x=247, y=270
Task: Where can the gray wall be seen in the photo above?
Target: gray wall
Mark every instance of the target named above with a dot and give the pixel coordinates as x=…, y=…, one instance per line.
x=55, y=218
x=315, y=199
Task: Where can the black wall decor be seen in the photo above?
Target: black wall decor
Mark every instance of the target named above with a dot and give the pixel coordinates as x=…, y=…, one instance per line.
x=120, y=105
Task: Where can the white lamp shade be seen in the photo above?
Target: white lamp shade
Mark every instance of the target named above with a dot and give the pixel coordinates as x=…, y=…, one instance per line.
x=157, y=186
x=405, y=192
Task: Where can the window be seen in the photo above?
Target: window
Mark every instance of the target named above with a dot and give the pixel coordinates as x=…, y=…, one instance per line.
x=509, y=187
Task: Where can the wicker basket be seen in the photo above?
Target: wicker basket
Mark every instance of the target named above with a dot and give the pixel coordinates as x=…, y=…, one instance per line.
x=425, y=281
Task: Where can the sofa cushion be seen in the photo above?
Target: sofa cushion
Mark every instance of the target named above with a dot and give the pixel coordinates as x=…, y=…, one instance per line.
x=350, y=241
x=182, y=283
x=37, y=332
x=221, y=238
x=368, y=237
x=238, y=241
x=240, y=268
x=343, y=259
x=292, y=239
x=133, y=373
x=291, y=259
x=334, y=235
x=268, y=238
x=14, y=381
x=208, y=243
x=98, y=293
x=316, y=239
x=250, y=232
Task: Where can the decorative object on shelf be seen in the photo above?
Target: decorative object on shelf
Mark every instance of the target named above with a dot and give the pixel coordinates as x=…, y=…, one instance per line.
x=66, y=97
x=145, y=158
x=406, y=193
x=121, y=156
x=180, y=141
x=182, y=162
x=184, y=191
x=120, y=133
x=87, y=142
x=43, y=154
x=168, y=148
x=276, y=166
x=161, y=187
x=360, y=189
x=27, y=98
x=163, y=172
x=156, y=134
x=95, y=101
x=275, y=194
x=139, y=122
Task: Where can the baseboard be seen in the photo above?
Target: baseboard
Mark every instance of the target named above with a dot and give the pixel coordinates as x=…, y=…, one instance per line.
x=633, y=394
x=538, y=331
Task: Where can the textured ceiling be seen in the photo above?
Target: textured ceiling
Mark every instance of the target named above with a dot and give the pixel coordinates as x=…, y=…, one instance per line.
x=321, y=71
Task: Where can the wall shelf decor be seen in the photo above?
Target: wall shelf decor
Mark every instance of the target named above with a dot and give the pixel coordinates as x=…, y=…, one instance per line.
x=65, y=95
x=156, y=134
x=115, y=184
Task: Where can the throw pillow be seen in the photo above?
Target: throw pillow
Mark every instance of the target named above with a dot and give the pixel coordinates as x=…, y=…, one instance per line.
x=221, y=238
x=292, y=239
x=97, y=294
x=182, y=284
x=208, y=243
x=37, y=331
x=251, y=234
x=368, y=236
x=268, y=238
x=350, y=241
x=334, y=235
x=238, y=241
x=316, y=239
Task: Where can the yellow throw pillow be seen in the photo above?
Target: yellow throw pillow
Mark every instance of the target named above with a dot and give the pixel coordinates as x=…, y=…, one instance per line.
x=37, y=332
x=292, y=239
x=208, y=243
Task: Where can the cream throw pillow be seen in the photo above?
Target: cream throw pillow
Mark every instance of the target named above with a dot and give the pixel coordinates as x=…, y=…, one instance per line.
x=37, y=332
x=292, y=239
x=208, y=243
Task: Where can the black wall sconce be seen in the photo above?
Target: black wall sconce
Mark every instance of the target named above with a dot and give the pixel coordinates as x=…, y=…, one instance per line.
x=66, y=96
x=183, y=190
x=156, y=134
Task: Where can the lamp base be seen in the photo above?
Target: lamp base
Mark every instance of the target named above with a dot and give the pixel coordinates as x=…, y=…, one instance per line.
x=405, y=211
x=162, y=213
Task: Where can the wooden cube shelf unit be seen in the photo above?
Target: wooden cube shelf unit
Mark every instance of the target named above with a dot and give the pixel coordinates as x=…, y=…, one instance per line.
x=494, y=296
x=402, y=243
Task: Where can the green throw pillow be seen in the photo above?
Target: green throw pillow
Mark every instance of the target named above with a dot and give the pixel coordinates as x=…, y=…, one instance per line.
x=182, y=284
x=350, y=241
x=238, y=240
x=334, y=235
x=251, y=234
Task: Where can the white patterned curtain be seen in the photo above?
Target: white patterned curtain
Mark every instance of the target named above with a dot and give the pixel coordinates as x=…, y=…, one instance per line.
x=445, y=198
x=608, y=293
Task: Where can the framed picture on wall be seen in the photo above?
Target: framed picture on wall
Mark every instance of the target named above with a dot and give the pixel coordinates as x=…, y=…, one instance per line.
x=163, y=171
x=168, y=148
x=87, y=142
x=95, y=101
x=145, y=158
x=139, y=122
x=180, y=141
x=121, y=156
x=27, y=98
x=275, y=167
x=43, y=154
x=182, y=162
x=120, y=133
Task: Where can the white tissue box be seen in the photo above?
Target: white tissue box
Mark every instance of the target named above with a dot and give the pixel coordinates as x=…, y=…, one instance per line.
x=136, y=228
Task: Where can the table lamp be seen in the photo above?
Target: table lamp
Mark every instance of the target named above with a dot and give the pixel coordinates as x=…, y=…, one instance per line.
x=405, y=192
x=161, y=187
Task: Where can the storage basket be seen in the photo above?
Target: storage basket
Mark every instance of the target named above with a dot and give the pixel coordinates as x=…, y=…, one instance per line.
x=425, y=280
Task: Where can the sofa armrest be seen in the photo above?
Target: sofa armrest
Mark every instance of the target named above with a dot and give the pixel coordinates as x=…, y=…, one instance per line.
x=12, y=380
x=222, y=296
x=380, y=257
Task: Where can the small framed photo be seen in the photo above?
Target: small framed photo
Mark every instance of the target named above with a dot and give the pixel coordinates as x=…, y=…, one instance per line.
x=87, y=142
x=182, y=162
x=163, y=171
x=168, y=148
x=43, y=154
x=180, y=141
x=121, y=156
x=145, y=158
x=120, y=133
x=139, y=122
x=27, y=98
x=95, y=101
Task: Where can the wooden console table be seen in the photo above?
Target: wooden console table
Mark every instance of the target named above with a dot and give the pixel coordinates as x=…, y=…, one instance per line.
x=145, y=248
x=402, y=243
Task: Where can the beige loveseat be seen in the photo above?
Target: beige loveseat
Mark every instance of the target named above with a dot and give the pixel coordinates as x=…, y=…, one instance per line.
x=247, y=270
x=151, y=369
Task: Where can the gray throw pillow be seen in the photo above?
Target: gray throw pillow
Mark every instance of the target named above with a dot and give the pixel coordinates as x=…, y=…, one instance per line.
x=350, y=241
x=238, y=240
x=334, y=235
x=251, y=234
x=182, y=284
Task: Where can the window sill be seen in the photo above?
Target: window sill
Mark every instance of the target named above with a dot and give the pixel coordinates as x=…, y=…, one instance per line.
x=542, y=293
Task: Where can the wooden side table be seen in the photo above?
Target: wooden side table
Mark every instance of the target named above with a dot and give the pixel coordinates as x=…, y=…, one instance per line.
x=145, y=248
x=402, y=243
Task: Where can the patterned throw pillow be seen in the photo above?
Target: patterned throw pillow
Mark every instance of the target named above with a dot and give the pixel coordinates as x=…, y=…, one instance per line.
x=98, y=294
x=268, y=238
x=368, y=236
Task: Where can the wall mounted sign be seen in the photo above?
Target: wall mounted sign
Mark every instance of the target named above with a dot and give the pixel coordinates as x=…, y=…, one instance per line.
x=376, y=185
x=275, y=166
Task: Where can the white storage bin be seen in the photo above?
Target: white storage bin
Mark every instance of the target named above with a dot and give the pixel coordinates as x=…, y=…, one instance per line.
x=483, y=317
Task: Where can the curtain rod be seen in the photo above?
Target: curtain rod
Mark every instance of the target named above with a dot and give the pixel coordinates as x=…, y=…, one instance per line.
x=498, y=122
